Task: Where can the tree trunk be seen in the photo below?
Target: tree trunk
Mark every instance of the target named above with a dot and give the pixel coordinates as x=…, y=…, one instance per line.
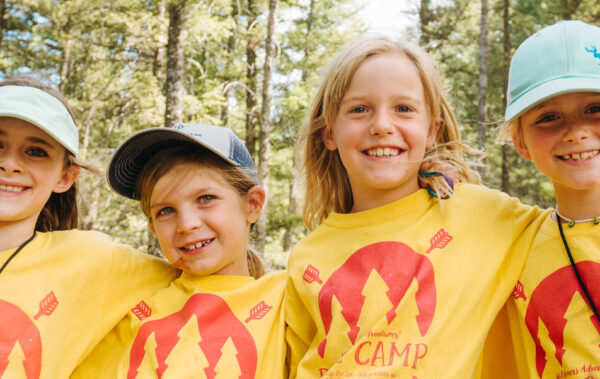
x=2, y=20
x=175, y=69
x=158, y=68
x=264, y=146
x=251, y=43
x=505, y=185
x=231, y=45
x=424, y=20
x=64, y=66
x=483, y=80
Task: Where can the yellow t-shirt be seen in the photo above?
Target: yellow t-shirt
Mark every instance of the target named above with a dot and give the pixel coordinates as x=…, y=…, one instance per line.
x=62, y=293
x=216, y=326
x=406, y=290
x=554, y=331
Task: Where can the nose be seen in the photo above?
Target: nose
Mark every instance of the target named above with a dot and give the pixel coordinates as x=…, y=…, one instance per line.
x=9, y=163
x=187, y=221
x=577, y=131
x=382, y=123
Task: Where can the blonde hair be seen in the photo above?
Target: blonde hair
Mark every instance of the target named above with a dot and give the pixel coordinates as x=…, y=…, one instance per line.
x=327, y=183
x=163, y=161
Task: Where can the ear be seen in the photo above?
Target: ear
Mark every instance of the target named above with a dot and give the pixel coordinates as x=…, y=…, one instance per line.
x=255, y=199
x=520, y=145
x=432, y=133
x=328, y=138
x=67, y=179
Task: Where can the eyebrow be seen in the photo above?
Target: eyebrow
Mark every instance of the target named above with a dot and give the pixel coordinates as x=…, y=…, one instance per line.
x=41, y=141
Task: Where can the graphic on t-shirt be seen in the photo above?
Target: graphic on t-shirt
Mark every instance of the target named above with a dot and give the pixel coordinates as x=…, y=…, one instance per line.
x=311, y=274
x=398, y=265
x=440, y=240
x=142, y=310
x=518, y=291
x=258, y=311
x=549, y=303
x=216, y=325
x=47, y=305
x=17, y=328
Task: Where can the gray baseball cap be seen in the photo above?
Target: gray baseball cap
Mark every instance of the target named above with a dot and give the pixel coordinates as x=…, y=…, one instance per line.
x=130, y=157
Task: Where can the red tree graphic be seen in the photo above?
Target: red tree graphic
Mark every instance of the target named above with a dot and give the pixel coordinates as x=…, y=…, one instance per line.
x=398, y=265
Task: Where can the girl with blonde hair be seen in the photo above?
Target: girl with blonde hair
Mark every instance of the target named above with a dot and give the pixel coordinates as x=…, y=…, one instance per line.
x=417, y=280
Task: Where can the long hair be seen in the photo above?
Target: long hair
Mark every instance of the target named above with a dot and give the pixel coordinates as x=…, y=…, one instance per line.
x=166, y=159
x=327, y=183
x=60, y=211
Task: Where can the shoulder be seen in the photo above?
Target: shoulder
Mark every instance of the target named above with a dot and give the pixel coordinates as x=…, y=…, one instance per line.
x=476, y=194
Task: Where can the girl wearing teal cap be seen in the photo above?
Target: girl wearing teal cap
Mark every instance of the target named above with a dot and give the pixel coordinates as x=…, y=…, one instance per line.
x=61, y=289
x=553, y=118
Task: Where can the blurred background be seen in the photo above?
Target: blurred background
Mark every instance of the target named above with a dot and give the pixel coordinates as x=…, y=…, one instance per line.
x=253, y=66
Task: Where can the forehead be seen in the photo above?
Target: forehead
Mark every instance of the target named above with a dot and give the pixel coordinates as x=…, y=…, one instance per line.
x=567, y=100
x=17, y=128
x=189, y=177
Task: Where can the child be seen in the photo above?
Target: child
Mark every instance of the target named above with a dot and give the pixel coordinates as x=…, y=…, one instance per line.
x=197, y=185
x=553, y=117
x=393, y=282
x=61, y=289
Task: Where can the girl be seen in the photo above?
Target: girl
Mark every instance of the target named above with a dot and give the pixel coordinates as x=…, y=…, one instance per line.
x=553, y=117
x=392, y=281
x=222, y=318
x=61, y=289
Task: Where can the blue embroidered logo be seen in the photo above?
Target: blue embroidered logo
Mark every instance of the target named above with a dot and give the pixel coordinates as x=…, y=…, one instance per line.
x=594, y=51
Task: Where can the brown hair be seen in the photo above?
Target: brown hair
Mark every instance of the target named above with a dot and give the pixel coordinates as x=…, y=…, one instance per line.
x=325, y=176
x=166, y=159
x=60, y=211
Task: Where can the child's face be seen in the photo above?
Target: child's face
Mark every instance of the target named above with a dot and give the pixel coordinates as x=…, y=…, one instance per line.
x=32, y=166
x=201, y=221
x=562, y=137
x=382, y=130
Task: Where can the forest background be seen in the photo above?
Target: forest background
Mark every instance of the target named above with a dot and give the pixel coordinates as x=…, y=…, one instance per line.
x=253, y=66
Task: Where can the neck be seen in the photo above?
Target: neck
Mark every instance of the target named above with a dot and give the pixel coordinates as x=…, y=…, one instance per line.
x=578, y=205
x=14, y=234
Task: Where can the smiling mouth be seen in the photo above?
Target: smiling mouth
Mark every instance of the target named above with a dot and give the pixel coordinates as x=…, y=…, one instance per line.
x=579, y=156
x=196, y=245
x=383, y=152
x=11, y=188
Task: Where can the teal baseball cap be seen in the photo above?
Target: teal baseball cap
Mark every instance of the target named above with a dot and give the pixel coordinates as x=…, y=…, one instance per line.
x=42, y=110
x=561, y=58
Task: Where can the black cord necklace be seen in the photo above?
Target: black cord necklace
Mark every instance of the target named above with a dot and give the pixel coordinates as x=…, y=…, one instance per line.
x=579, y=279
x=16, y=252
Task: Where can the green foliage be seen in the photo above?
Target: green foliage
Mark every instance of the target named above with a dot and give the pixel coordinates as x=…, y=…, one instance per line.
x=109, y=59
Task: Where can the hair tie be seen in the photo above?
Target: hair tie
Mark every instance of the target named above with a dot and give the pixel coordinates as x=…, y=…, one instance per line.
x=429, y=174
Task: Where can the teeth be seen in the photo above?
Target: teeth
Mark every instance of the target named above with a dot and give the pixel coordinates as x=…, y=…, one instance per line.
x=580, y=156
x=383, y=152
x=197, y=245
x=11, y=188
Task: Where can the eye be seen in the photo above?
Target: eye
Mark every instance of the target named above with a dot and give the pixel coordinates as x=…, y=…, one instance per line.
x=164, y=211
x=359, y=109
x=403, y=108
x=547, y=118
x=36, y=152
x=595, y=108
x=205, y=199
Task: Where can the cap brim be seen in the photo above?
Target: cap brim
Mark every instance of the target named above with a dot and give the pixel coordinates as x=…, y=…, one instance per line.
x=131, y=156
x=548, y=90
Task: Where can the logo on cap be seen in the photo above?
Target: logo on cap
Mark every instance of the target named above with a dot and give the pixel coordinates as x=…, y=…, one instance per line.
x=594, y=51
